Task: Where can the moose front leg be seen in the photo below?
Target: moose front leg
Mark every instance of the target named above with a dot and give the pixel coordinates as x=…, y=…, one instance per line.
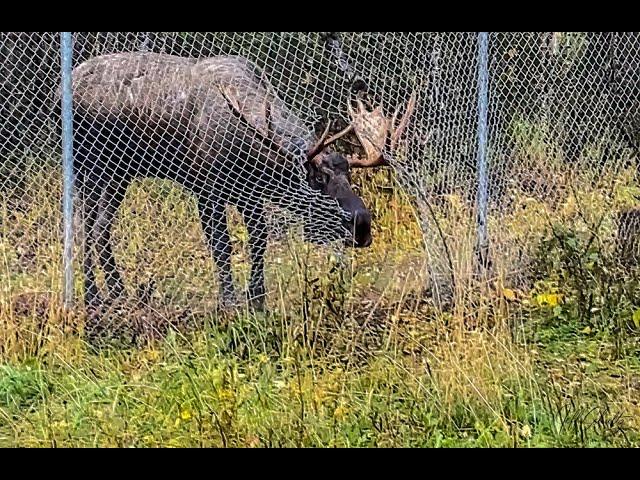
x=213, y=219
x=257, y=229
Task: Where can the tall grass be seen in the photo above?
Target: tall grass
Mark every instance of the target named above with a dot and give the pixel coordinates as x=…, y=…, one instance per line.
x=352, y=352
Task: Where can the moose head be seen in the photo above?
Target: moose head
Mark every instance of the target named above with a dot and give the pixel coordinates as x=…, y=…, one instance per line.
x=330, y=172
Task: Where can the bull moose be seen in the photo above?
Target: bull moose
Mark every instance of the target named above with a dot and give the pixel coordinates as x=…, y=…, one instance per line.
x=216, y=127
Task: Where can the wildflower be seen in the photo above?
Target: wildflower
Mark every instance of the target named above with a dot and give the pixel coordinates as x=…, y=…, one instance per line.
x=548, y=299
x=340, y=412
x=525, y=431
x=509, y=294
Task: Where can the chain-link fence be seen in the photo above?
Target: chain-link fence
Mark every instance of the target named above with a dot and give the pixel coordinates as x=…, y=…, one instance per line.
x=181, y=139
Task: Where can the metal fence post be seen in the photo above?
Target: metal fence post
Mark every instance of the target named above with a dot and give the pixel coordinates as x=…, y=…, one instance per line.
x=482, y=170
x=66, y=52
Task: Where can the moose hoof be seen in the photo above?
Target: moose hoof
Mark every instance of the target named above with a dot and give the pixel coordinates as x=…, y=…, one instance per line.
x=256, y=296
x=229, y=302
x=256, y=302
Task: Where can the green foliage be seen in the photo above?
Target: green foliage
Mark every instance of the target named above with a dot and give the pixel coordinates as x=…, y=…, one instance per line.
x=597, y=288
x=21, y=386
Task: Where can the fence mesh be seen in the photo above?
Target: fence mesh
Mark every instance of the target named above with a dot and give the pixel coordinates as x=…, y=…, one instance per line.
x=176, y=131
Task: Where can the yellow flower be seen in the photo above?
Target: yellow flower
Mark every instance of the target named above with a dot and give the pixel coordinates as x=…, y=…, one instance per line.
x=185, y=414
x=509, y=294
x=319, y=395
x=152, y=355
x=225, y=395
x=340, y=412
x=548, y=299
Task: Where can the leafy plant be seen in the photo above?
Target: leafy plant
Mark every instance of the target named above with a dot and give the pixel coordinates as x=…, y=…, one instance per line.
x=594, y=284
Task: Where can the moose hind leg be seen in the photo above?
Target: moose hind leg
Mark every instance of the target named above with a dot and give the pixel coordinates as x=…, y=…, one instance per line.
x=214, y=224
x=110, y=200
x=89, y=204
x=257, y=229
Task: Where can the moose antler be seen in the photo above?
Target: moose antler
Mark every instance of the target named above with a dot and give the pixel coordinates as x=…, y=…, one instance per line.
x=324, y=142
x=320, y=144
x=375, y=133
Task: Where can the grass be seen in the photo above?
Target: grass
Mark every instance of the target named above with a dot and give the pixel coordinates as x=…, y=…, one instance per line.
x=354, y=352
x=199, y=392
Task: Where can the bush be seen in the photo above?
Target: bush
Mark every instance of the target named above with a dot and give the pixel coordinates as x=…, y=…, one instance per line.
x=590, y=278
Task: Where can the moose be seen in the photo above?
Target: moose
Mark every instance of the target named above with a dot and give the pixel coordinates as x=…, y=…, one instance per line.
x=215, y=126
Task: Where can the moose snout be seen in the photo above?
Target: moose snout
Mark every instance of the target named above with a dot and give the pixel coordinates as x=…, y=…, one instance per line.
x=358, y=222
x=360, y=228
